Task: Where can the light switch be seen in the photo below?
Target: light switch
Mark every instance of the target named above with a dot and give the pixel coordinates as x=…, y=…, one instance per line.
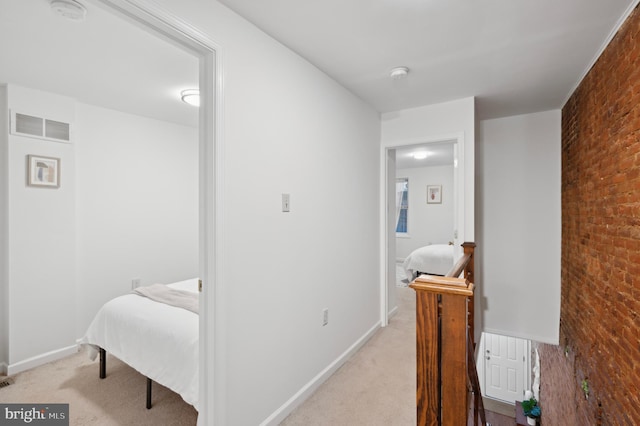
x=286, y=206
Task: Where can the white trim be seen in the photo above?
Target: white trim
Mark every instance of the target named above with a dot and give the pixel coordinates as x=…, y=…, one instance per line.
x=384, y=243
x=392, y=312
x=39, y=360
x=604, y=45
x=480, y=364
x=457, y=138
x=281, y=413
x=528, y=369
x=149, y=16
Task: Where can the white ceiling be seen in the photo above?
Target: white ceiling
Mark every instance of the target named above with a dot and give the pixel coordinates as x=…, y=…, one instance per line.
x=514, y=56
x=104, y=60
x=438, y=154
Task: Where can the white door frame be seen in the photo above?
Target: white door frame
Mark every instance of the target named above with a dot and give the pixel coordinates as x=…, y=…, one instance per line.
x=385, y=199
x=148, y=15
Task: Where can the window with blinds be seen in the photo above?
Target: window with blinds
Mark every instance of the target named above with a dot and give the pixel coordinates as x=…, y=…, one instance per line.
x=402, y=204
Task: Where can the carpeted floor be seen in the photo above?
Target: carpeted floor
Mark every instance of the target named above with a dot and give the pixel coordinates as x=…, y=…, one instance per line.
x=119, y=399
x=376, y=387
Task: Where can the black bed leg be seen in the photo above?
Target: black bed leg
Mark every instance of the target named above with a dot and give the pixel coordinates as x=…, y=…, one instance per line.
x=148, y=393
x=103, y=363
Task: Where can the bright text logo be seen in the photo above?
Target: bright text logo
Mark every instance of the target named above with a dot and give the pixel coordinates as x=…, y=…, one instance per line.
x=34, y=414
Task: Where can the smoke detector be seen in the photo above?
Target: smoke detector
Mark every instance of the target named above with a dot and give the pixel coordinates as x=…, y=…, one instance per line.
x=399, y=72
x=69, y=9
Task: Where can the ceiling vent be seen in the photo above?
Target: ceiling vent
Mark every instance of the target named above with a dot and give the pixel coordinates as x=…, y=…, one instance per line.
x=41, y=128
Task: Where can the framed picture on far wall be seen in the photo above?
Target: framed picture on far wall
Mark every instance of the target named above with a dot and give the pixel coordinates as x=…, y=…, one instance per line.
x=43, y=172
x=434, y=194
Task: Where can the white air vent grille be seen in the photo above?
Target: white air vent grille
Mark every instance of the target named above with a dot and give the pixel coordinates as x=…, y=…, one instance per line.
x=29, y=125
x=56, y=130
x=41, y=128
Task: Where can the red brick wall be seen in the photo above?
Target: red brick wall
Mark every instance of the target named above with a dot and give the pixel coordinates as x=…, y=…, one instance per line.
x=600, y=313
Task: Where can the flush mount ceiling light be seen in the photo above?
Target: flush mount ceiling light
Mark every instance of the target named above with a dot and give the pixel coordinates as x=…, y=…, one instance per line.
x=399, y=72
x=191, y=97
x=69, y=9
x=420, y=155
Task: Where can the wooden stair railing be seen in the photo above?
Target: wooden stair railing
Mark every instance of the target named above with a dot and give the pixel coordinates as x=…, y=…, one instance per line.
x=445, y=346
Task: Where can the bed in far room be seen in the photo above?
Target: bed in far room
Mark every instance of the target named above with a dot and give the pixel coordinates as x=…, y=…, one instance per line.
x=159, y=339
x=434, y=259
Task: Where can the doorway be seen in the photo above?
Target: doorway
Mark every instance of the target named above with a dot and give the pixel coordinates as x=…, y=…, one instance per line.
x=159, y=25
x=444, y=153
x=210, y=160
x=503, y=367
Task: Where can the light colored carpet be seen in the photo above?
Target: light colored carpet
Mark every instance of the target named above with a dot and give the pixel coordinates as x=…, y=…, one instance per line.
x=401, y=276
x=119, y=399
x=376, y=387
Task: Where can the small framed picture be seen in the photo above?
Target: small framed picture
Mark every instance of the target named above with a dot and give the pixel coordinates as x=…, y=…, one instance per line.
x=43, y=172
x=434, y=194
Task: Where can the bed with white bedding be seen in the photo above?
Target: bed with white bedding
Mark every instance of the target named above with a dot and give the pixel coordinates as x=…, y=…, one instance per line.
x=434, y=259
x=158, y=340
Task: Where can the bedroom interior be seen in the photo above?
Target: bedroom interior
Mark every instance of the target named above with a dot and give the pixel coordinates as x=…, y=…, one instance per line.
x=430, y=222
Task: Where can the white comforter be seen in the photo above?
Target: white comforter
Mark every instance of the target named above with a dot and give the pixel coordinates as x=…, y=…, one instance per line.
x=158, y=340
x=436, y=259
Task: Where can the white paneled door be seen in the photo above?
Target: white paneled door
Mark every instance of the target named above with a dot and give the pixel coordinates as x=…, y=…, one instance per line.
x=506, y=369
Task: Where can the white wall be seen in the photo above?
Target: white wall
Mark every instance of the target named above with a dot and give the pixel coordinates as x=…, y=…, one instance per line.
x=42, y=235
x=4, y=230
x=427, y=223
x=519, y=221
x=288, y=128
x=436, y=123
x=137, y=205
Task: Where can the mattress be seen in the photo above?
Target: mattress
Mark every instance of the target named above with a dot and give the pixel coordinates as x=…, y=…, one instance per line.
x=435, y=259
x=157, y=340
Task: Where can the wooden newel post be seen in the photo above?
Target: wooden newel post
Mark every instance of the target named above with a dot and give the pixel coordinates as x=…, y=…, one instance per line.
x=442, y=314
x=427, y=362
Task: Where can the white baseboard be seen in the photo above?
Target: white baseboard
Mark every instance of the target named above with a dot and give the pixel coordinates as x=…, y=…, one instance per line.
x=393, y=312
x=305, y=392
x=39, y=360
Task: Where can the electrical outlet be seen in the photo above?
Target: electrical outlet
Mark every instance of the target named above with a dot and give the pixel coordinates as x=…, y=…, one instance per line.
x=325, y=316
x=135, y=283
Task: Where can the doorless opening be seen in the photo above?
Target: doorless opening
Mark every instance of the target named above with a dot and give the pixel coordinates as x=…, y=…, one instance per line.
x=166, y=26
x=392, y=154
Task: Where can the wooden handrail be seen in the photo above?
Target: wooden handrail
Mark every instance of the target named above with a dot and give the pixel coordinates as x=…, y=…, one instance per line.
x=444, y=320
